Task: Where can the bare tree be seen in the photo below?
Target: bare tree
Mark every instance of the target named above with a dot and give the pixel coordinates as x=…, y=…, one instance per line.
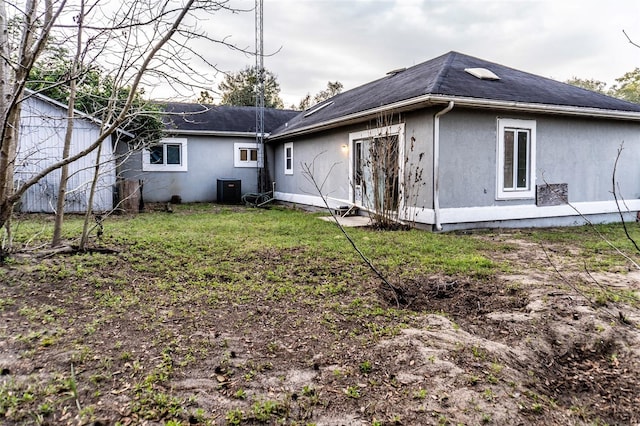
x=389, y=175
x=130, y=41
x=15, y=63
x=384, y=168
x=64, y=170
x=308, y=171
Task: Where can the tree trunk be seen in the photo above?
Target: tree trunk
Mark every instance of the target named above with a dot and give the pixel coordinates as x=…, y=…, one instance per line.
x=38, y=18
x=7, y=162
x=64, y=171
x=87, y=216
x=35, y=32
x=62, y=190
x=8, y=135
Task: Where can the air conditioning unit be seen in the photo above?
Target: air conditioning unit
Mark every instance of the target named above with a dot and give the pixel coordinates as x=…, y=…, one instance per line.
x=229, y=191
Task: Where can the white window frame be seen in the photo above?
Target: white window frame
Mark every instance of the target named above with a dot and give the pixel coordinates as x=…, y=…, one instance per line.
x=516, y=193
x=238, y=162
x=164, y=167
x=288, y=159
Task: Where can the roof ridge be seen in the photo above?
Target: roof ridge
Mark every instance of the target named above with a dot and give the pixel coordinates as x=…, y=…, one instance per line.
x=437, y=81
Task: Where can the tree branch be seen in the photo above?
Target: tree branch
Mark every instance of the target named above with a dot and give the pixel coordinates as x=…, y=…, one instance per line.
x=308, y=173
x=629, y=39
x=615, y=197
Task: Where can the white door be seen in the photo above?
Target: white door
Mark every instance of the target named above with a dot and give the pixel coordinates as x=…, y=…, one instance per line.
x=375, y=173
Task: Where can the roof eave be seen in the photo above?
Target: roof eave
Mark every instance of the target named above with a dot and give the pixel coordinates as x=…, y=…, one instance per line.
x=547, y=108
x=430, y=99
x=213, y=133
x=356, y=117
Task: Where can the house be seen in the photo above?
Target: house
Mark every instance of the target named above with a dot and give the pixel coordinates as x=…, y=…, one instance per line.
x=466, y=143
x=203, y=144
x=43, y=124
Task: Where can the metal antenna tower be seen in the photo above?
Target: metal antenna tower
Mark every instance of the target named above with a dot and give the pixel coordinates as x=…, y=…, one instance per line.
x=262, y=158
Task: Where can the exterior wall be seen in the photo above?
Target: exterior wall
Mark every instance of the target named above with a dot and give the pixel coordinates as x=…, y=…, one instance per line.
x=209, y=158
x=467, y=159
x=418, y=159
x=42, y=132
x=329, y=153
x=579, y=152
x=325, y=154
x=582, y=153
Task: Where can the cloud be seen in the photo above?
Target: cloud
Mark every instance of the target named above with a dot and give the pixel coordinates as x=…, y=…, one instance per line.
x=355, y=42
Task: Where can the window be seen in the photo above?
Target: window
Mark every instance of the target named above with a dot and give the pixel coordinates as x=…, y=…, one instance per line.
x=170, y=155
x=516, y=158
x=246, y=155
x=482, y=73
x=357, y=162
x=316, y=109
x=288, y=158
x=156, y=154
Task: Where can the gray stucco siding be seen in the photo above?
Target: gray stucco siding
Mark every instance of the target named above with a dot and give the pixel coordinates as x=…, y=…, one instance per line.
x=209, y=158
x=418, y=158
x=578, y=152
x=324, y=153
x=332, y=160
x=582, y=153
x=467, y=159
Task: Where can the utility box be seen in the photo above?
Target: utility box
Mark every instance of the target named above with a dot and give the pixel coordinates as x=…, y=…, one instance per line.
x=229, y=191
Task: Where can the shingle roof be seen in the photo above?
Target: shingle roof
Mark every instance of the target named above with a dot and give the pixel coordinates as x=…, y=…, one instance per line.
x=445, y=76
x=193, y=117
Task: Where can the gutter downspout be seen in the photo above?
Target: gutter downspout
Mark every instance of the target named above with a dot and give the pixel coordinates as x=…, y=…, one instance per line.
x=436, y=165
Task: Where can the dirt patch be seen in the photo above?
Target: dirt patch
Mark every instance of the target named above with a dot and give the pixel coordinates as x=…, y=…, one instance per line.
x=315, y=343
x=558, y=346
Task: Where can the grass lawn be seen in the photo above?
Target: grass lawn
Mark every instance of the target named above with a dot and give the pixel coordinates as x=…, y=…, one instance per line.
x=226, y=315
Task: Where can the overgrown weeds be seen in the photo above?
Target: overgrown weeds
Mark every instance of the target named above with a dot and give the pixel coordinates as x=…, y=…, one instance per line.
x=214, y=314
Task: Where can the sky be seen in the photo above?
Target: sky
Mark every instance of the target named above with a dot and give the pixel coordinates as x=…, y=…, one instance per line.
x=311, y=42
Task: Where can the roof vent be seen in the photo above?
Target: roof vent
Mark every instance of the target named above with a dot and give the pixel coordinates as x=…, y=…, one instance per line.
x=482, y=73
x=314, y=110
x=396, y=71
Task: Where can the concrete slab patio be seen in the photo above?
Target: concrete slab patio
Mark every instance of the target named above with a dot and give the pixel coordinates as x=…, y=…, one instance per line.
x=349, y=221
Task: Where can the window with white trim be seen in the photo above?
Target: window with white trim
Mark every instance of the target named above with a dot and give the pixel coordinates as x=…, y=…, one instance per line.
x=288, y=158
x=246, y=155
x=169, y=155
x=516, y=158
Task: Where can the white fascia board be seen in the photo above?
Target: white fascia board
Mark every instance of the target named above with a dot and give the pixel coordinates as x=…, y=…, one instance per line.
x=544, y=108
x=427, y=100
x=341, y=121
